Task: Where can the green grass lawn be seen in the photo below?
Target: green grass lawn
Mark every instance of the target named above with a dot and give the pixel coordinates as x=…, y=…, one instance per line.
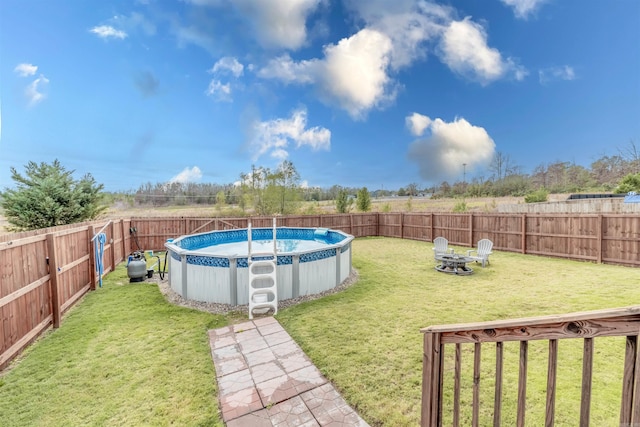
x=367, y=339
x=124, y=356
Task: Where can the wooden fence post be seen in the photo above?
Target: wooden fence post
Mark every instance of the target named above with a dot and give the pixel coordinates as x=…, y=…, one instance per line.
x=402, y=225
x=431, y=230
x=92, y=257
x=112, y=244
x=523, y=231
x=53, y=279
x=351, y=225
x=471, y=230
x=124, y=246
x=600, y=232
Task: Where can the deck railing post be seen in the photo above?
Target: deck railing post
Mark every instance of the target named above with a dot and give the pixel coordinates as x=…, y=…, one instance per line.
x=629, y=373
x=432, y=362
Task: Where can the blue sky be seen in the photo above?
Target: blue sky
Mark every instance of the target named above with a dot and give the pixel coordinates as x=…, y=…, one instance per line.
x=377, y=93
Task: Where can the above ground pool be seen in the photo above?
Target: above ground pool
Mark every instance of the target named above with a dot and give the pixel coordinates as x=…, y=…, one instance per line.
x=213, y=266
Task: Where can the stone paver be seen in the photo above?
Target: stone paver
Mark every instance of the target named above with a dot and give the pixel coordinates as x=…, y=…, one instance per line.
x=265, y=379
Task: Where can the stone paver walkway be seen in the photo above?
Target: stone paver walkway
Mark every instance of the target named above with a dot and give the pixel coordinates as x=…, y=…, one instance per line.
x=265, y=379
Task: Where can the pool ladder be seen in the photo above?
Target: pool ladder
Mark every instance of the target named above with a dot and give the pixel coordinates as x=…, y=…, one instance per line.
x=263, y=284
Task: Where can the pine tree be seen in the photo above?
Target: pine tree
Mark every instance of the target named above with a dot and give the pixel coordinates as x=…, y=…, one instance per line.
x=47, y=195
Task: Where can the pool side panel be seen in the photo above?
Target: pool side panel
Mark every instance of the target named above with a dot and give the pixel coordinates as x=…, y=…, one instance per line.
x=175, y=272
x=209, y=284
x=345, y=264
x=317, y=276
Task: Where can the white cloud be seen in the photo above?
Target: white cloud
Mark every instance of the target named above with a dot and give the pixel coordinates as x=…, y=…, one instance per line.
x=409, y=24
x=107, y=31
x=188, y=174
x=228, y=64
x=287, y=70
x=523, y=8
x=275, y=136
x=356, y=74
x=449, y=145
x=34, y=92
x=564, y=72
x=25, y=70
x=464, y=49
x=352, y=74
x=279, y=24
x=417, y=123
x=219, y=91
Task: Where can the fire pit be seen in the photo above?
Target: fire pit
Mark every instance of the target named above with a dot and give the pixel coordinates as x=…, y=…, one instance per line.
x=454, y=264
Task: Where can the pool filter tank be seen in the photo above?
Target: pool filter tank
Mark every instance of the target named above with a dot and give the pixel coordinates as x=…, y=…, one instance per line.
x=136, y=267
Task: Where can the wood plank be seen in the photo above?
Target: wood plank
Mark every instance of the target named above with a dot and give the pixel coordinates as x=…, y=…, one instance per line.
x=74, y=298
x=112, y=245
x=635, y=414
x=626, y=403
x=441, y=382
x=71, y=231
x=552, y=369
x=621, y=312
x=456, y=385
x=497, y=399
x=587, y=374
x=67, y=267
x=53, y=276
x=475, y=418
x=12, y=351
x=560, y=330
x=24, y=290
x=427, y=374
x=21, y=242
x=522, y=384
x=436, y=381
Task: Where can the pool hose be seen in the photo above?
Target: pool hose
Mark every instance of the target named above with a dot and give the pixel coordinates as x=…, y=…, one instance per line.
x=163, y=270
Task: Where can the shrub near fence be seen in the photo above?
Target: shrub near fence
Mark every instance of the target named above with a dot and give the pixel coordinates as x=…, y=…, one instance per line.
x=34, y=293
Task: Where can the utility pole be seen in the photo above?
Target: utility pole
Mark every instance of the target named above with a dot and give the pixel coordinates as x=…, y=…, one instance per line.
x=464, y=173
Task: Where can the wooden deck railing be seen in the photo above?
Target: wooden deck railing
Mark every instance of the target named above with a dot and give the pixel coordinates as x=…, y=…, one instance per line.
x=624, y=322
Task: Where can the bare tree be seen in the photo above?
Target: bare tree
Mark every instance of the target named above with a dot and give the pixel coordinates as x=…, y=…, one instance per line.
x=631, y=154
x=502, y=166
x=412, y=189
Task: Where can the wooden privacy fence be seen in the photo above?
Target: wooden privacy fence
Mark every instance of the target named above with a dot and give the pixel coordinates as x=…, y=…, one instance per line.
x=586, y=326
x=43, y=272
x=606, y=238
x=42, y=275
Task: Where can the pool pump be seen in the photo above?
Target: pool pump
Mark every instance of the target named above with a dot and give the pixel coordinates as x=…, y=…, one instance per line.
x=136, y=267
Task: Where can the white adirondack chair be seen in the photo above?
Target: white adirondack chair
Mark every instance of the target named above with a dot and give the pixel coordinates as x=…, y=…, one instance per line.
x=483, y=252
x=441, y=246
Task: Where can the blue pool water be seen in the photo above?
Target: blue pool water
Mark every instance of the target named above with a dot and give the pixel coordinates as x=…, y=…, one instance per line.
x=283, y=246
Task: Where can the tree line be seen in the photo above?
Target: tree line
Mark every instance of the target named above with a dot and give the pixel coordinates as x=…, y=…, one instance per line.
x=48, y=195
